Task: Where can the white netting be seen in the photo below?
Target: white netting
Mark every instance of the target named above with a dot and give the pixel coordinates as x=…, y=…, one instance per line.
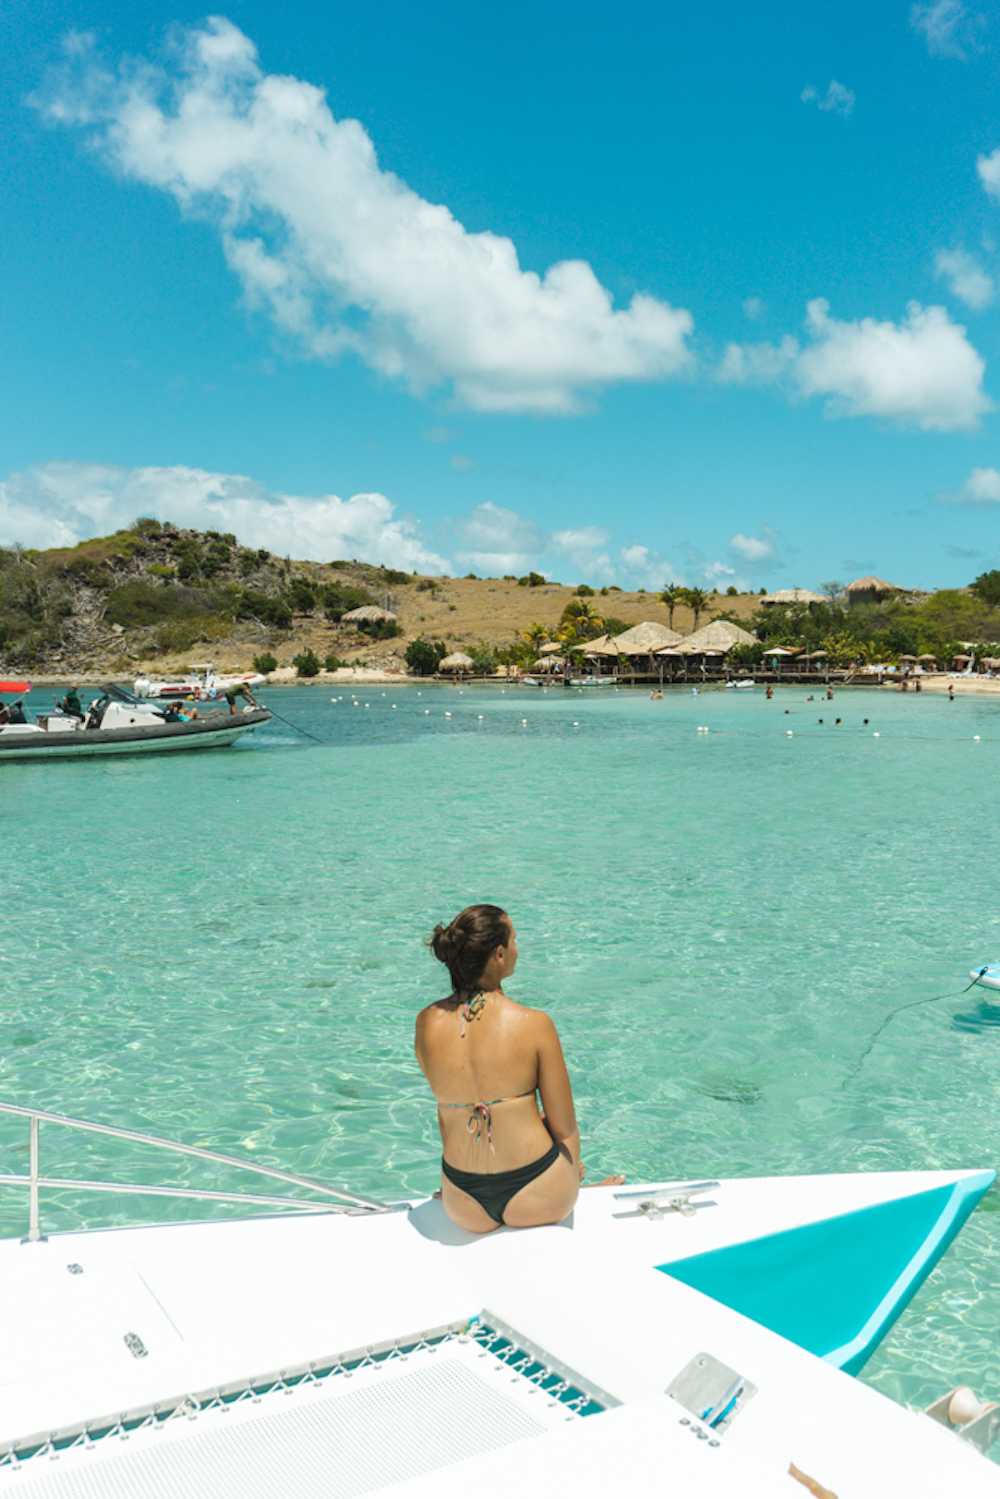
x=343, y=1435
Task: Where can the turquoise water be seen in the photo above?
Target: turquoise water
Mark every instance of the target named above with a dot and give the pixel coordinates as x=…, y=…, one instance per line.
x=227, y=947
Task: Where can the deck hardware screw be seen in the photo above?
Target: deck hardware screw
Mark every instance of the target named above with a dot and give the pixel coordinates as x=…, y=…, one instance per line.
x=714, y=1442
x=75, y=1269
x=684, y=1421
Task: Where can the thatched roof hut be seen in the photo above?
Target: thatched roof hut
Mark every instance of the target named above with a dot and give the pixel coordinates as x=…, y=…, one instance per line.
x=870, y=590
x=793, y=596
x=719, y=635
x=457, y=661
x=369, y=614
x=643, y=639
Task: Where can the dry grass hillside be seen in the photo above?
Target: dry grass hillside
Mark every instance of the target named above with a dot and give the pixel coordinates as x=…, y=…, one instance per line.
x=155, y=598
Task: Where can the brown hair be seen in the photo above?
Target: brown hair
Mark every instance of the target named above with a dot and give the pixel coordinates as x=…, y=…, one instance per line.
x=467, y=943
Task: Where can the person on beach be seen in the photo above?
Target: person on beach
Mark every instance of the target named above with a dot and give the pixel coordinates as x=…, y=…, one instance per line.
x=951, y=693
x=486, y=1058
x=240, y=690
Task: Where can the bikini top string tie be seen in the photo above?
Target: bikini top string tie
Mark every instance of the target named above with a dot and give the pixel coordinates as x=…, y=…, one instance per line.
x=475, y=1002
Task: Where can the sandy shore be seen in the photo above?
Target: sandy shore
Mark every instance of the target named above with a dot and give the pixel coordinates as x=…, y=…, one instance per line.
x=964, y=686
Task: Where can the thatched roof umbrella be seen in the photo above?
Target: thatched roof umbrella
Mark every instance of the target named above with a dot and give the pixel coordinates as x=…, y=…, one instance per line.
x=457, y=661
x=548, y=663
x=926, y=657
x=369, y=614
x=552, y=649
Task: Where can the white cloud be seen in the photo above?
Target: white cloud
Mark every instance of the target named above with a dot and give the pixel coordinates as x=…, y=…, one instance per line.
x=837, y=98
x=463, y=461
x=947, y=28
x=988, y=168
x=966, y=277
x=344, y=255
x=921, y=370
x=753, y=548
x=59, y=504
x=980, y=490
x=753, y=308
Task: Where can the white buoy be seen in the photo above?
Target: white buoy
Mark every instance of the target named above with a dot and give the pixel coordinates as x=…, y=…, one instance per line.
x=975, y=736
x=876, y=735
x=427, y=710
x=524, y=720
x=575, y=724
x=394, y=707
x=480, y=716
x=788, y=733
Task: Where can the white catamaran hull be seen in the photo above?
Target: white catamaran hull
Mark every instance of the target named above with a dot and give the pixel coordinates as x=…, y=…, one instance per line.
x=329, y=1354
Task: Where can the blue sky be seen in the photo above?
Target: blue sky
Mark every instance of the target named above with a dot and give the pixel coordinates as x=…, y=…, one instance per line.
x=624, y=294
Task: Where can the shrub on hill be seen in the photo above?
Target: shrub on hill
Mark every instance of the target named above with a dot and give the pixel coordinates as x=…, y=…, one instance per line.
x=139, y=602
x=307, y=664
x=265, y=663
x=264, y=608
x=340, y=598
x=380, y=629
x=422, y=656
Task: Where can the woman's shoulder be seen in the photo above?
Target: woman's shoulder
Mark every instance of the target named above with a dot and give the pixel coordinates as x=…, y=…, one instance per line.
x=438, y=1007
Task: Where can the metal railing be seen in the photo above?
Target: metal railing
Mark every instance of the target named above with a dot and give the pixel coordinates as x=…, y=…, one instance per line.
x=348, y=1202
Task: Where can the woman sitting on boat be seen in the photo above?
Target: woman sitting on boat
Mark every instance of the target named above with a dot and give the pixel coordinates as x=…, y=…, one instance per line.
x=486, y=1057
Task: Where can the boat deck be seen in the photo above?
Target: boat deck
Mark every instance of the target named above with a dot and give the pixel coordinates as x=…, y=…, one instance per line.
x=191, y=1333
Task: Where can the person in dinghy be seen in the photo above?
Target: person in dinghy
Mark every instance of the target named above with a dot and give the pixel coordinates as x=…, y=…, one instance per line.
x=487, y=1059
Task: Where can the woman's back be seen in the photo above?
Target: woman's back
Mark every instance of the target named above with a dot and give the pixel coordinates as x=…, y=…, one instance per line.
x=494, y=1067
x=484, y=1057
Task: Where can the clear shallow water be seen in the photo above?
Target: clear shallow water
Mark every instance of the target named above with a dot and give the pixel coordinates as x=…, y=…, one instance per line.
x=227, y=948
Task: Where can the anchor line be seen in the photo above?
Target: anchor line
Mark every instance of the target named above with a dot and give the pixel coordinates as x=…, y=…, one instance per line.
x=910, y=1005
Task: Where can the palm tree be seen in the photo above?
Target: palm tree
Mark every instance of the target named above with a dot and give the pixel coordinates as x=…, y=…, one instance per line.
x=535, y=635
x=583, y=618
x=672, y=595
x=697, y=600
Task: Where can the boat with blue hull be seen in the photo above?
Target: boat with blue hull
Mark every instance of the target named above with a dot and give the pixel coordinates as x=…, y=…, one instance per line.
x=702, y=1331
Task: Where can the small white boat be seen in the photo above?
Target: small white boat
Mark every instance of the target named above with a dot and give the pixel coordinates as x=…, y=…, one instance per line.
x=589, y=681
x=117, y=723
x=743, y=682
x=692, y=1334
x=202, y=684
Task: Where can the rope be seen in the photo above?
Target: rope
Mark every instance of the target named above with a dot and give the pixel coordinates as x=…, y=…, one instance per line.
x=910, y=1005
x=274, y=712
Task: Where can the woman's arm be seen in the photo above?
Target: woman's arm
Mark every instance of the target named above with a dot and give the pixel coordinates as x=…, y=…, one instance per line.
x=554, y=1087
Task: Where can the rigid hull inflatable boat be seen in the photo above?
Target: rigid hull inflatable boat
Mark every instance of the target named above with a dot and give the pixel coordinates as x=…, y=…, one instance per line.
x=695, y=1337
x=117, y=723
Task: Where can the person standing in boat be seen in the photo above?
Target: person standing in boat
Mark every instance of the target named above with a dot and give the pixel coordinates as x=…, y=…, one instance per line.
x=240, y=690
x=485, y=1058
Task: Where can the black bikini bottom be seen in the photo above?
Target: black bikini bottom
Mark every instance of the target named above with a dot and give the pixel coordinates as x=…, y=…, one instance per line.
x=494, y=1192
